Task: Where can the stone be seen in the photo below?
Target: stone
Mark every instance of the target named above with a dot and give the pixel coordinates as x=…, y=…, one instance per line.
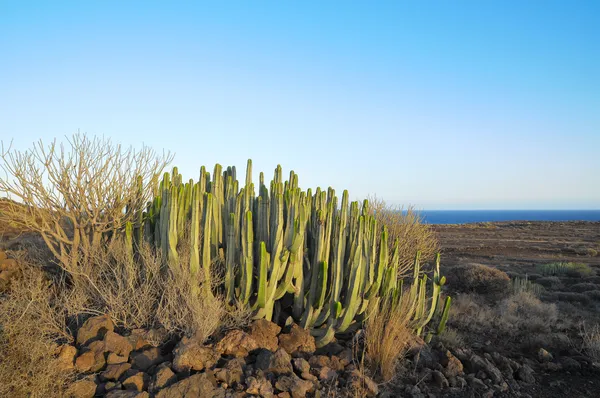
x=570, y=364
x=191, y=355
x=452, y=365
x=318, y=361
x=477, y=384
x=526, y=374
x=265, y=334
x=143, y=360
x=301, y=365
x=85, y=388
x=259, y=386
x=92, y=360
x=164, y=377
x=346, y=357
x=544, y=356
x=114, y=372
x=298, y=342
x=478, y=363
x=66, y=357
x=362, y=383
x=117, y=344
x=457, y=382
x=552, y=367
x=198, y=385
x=114, y=359
x=94, y=328
x=127, y=394
x=236, y=343
x=327, y=374
x=294, y=385
x=439, y=380
x=233, y=373
x=136, y=382
x=278, y=362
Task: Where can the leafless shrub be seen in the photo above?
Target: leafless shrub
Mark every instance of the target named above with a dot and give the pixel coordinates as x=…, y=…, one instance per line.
x=451, y=338
x=407, y=227
x=32, y=321
x=75, y=195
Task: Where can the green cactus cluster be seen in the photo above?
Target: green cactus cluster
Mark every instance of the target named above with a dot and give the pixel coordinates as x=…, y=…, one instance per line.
x=285, y=252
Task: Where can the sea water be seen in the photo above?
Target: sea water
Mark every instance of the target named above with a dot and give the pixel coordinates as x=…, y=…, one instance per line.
x=474, y=216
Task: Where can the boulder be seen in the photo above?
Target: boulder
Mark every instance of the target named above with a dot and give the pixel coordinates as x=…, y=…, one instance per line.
x=66, y=357
x=525, y=373
x=144, y=360
x=362, y=384
x=265, y=334
x=278, y=362
x=85, y=388
x=198, y=385
x=114, y=372
x=191, y=355
x=92, y=359
x=301, y=365
x=232, y=373
x=164, y=377
x=94, y=329
x=544, y=356
x=136, y=382
x=294, y=385
x=236, y=343
x=439, y=380
x=259, y=386
x=127, y=394
x=298, y=342
x=117, y=344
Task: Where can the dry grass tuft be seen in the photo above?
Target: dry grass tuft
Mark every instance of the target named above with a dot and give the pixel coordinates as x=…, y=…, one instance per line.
x=388, y=336
x=407, y=227
x=591, y=341
x=32, y=322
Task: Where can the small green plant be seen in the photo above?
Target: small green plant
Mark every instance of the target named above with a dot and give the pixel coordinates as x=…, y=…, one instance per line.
x=566, y=268
x=520, y=285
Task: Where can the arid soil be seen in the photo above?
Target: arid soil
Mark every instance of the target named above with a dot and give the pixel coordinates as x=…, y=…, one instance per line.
x=519, y=249
x=519, y=246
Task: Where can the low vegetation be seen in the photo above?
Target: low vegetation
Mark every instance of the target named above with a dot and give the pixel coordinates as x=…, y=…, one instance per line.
x=197, y=259
x=566, y=268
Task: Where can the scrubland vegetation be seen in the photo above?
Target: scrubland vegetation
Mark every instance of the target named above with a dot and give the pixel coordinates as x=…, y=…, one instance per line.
x=195, y=260
x=264, y=288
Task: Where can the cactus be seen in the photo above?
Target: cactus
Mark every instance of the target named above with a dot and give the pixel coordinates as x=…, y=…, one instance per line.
x=332, y=262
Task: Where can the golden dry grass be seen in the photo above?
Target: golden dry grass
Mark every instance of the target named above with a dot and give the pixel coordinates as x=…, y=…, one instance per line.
x=388, y=336
x=32, y=321
x=406, y=227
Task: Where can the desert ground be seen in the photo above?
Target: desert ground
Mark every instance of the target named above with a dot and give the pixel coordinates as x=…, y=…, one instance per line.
x=538, y=338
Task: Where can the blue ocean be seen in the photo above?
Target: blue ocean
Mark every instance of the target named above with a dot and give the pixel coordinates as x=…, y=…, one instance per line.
x=474, y=216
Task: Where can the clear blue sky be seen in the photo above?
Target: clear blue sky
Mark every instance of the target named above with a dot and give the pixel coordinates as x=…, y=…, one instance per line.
x=449, y=104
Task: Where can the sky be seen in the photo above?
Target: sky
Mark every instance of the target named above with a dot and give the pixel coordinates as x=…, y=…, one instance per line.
x=434, y=104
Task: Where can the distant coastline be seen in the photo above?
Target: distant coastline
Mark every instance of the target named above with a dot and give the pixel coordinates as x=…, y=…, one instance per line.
x=477, y=216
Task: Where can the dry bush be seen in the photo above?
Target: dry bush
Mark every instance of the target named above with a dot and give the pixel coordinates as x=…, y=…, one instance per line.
x=523, y=312
x=512, y=317
x=408, y=228
x=141, y=293
x=591, y=341
x=520, y=285
x=32, y=322
x=388, y=336
x=478, y=278
x=76, y=195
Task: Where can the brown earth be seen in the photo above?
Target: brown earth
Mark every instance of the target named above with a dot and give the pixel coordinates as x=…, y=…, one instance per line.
x=519, y=248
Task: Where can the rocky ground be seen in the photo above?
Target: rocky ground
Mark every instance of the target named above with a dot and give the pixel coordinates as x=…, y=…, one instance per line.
x=497, y=344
